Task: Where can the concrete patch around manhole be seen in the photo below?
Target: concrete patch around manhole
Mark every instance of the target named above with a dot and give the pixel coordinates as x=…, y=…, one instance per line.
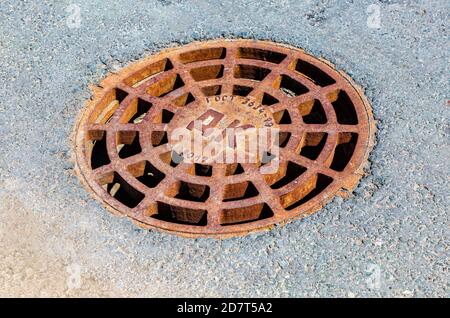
x=320, y=122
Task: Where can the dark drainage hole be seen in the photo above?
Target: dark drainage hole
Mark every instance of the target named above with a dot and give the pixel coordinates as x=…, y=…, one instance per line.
x=343, y=106
x=259, y=54
x=212, y=90
x=96, y=145
x=188, y=191
x=241, y=90
x=179, y=215
x=245, y=214
x=166, y=85
x=184, y=100
x=282, y=117
x=290, y=87
x=314, y=73
x=240, y=191
x=159, y=138
x=203, y=55
x=344, y=150
x=128, y=144
x=313, y=112
x=233, y=169
x=164, y=117
x=136, y=111
x=288, y=173
x=313, y=145
x=172, y=158
x=269, y=100
x=205, y=73
x=120, y=190
x=306, y=191
x=284, y=138
x=107, y=106
x=149, y=72
x=202, y=170
x=251, y=72
x=146, y=173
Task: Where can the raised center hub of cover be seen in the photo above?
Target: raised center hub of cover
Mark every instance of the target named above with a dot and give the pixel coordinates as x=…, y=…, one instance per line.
x=225, y=123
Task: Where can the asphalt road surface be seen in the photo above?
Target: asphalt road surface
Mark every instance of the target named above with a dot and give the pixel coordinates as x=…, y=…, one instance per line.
x=391, y=238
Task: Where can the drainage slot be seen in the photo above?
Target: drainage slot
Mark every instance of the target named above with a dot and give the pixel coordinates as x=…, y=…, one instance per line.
x=268, y=100
x=291, y=172
x=245, y=214
x=313, y=145
x=180, y=215
x=146, y=173
x=314, y=73
x=184, y=100
x=164, y=117
x=233, y=169
x=189, y=191
x=344, y=150
x=289, y=86
x=96, y=149
x=239, y=191
x=120, y=190
x=202, y=170
x=251, y=72
x=165, y=85
x=159, y=138
x=107, y=106
x=263, y=55
x=171, y=158
x=203, y=55
x=284, y=138
x=282, y=117
x=212, y=90
x=135, y=112
x=207, y=72
x=313, y=112
x=345, y=111
x=320, y=182
x=128, y=144
x=148, y=72
x=279, y=174
x=241, y=90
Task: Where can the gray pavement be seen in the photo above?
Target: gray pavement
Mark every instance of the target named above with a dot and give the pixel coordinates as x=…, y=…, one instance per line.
x=391, y=238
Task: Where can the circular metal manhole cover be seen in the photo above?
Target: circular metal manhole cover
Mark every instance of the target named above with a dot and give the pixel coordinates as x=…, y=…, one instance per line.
x=127, y=154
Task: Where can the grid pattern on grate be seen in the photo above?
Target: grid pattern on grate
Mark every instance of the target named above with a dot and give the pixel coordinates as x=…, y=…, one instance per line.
x=326, y=132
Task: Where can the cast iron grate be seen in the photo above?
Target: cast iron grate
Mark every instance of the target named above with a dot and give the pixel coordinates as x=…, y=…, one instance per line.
x=124, y=157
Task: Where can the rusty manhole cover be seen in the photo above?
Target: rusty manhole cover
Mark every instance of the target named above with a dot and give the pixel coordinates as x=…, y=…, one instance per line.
x=125, y=146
